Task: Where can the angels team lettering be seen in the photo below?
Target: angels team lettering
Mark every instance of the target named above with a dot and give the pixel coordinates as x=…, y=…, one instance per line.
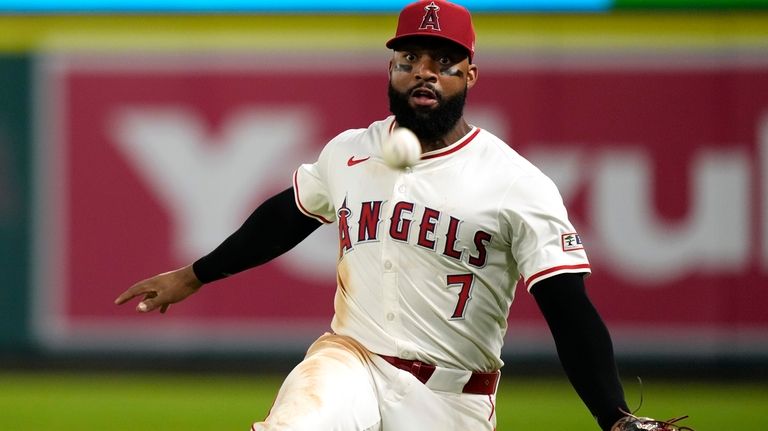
x=408, y=225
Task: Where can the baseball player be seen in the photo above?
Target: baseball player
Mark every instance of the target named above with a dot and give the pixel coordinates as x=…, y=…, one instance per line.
x=428, y=259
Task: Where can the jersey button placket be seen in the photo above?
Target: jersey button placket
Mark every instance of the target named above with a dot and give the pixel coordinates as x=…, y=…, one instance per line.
x=390, y=294
x=390, y=256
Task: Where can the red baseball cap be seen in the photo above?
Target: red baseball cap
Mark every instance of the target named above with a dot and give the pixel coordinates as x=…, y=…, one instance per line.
x=436, y=18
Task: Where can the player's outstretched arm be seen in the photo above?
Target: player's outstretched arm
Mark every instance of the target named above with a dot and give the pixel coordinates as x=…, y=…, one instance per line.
x=583, y=344
x=162, y=290
x=273, y=228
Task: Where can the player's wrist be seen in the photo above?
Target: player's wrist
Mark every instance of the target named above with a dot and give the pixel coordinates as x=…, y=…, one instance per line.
x=203, y=272
x=189, y=278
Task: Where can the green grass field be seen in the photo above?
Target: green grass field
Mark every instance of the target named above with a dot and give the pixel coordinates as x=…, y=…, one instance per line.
x=196, y=402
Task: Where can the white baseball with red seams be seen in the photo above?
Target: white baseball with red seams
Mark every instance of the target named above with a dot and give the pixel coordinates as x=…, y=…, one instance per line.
x=402, y=149
x=429, y=258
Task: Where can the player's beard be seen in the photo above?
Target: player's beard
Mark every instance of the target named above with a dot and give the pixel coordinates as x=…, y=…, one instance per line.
x=427, y=124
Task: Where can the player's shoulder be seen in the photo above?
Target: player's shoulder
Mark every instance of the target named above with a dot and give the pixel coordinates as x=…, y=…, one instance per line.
x=502, y=156
x=360, y=142
x=520, y=176
x=365, y=135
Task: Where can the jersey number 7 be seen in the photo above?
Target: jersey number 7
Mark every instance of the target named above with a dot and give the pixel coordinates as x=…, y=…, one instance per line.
x=464, y=281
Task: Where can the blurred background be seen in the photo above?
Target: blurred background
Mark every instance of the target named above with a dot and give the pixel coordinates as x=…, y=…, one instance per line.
x=135, y=136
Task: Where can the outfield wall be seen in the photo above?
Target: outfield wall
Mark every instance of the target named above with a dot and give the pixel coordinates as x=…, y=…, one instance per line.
x=130, y=145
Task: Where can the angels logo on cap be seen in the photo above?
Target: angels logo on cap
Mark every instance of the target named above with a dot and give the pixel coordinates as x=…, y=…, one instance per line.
x=436, y=18
x=430, y=18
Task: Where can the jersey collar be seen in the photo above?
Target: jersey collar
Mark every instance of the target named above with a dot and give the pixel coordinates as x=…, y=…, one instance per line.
x=456, y=146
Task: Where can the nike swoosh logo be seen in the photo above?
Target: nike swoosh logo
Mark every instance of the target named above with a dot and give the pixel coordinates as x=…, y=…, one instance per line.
x=352, y=161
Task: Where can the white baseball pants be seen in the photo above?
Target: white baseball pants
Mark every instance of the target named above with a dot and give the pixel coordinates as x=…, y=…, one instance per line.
x=341, y=386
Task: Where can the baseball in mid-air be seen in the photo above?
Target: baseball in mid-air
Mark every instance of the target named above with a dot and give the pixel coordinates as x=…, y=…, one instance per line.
x=402, y=149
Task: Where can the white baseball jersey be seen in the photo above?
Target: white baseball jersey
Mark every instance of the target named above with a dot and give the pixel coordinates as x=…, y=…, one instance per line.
x=429, y=256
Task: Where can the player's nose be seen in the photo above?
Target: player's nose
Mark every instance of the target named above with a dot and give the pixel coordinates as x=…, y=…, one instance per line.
x=426, y=69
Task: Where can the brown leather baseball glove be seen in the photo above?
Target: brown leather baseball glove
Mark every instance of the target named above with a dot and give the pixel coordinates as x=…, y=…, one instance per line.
x=631, y=422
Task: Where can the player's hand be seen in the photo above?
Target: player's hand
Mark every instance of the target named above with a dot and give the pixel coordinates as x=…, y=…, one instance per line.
x=162, y=290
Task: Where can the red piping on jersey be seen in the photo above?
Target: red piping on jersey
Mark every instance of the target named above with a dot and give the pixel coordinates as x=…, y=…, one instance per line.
x=454, y=149
x=532, y=279
x=445, y=153
x=298, y=201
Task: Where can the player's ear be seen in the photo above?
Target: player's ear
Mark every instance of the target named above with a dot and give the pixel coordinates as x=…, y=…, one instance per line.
x=471, y=75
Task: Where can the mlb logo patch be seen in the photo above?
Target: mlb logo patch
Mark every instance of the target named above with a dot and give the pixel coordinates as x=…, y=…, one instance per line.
x=571, y=241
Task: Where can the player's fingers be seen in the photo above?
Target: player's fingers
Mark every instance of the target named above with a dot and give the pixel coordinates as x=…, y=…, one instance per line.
x=154, y=300
x=149, y=303
x=123, y=298
x=132, y=292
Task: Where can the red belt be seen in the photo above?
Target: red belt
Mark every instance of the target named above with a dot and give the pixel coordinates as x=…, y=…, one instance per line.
x=478, y=383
